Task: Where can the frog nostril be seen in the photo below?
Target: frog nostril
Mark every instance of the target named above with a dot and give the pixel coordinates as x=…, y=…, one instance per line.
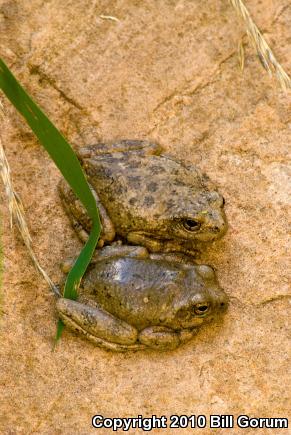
x=216, y=229
x=223, y=306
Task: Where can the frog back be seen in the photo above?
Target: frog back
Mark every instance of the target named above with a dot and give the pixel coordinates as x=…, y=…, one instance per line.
x=139, y=292
x=144, y=192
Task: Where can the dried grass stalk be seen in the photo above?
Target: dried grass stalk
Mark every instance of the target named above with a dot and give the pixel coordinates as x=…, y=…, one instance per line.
x=109, y=17
x=265, y=53
x=241, y=55
x=17, y=212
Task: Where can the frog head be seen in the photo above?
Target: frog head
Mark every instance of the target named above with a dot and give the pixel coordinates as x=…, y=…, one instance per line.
x=201, y=301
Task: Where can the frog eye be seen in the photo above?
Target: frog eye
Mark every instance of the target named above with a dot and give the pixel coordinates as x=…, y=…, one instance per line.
x=202, y=308
x=191, y=225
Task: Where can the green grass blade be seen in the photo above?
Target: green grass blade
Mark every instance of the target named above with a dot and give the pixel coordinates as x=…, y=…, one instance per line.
x=65, y=159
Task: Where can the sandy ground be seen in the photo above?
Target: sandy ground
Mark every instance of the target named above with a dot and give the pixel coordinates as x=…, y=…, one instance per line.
x=166, y=71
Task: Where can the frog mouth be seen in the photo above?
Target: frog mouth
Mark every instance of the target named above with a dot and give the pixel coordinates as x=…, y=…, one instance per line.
x=194, y=322
x=156, y=243
x=207, y=235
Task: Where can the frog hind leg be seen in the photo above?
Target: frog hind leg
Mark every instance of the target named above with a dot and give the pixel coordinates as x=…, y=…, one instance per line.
x=142, y=147
x=98, y=326
x=79, y=218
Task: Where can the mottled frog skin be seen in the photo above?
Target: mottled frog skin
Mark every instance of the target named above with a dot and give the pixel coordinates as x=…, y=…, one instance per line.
x=132, y=300
x=147, y=198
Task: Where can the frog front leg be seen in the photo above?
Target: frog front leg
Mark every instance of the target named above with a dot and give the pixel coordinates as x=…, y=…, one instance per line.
x=98, y=326
x=164, y=338
x=157, y=245
x=79, y=217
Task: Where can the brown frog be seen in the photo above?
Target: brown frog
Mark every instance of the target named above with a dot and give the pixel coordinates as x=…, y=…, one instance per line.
x=132, y=300
x=147, y=198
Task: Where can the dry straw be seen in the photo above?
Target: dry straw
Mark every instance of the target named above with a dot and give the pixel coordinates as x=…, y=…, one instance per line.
x=265, y=54
x=109, y=17
x=17, y=212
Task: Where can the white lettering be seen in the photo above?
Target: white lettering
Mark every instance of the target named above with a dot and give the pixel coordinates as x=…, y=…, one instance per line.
x=214, y=421
x=140, y=422
x=107, y=422
x=253, y=422
x=243, y=421
x=268, y=423
x=117, y=424
x=95, y=422
x=127, y=423
x=201, y=421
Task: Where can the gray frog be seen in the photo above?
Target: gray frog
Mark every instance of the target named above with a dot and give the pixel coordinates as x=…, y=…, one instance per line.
x=132, y=300
x=147, y=198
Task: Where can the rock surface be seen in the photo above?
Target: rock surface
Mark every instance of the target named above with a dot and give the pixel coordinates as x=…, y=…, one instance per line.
x=166, y=71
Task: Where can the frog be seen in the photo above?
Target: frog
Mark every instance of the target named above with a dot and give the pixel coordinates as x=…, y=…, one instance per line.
x=131, y=299
x=147, y=198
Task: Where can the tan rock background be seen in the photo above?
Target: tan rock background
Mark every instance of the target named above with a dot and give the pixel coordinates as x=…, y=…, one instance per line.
x=168, y=71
